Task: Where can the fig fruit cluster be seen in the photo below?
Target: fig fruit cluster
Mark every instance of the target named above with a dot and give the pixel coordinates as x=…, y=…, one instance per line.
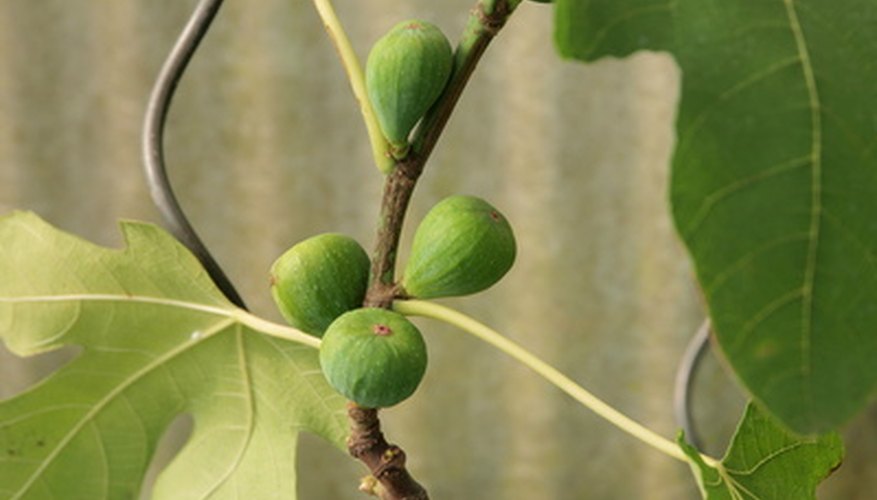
x=376, y=357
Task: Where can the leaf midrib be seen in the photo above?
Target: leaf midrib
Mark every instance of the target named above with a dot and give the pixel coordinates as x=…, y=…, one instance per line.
x=109, y=297
x=251, y=411
x=255, y=322
x=816, y=196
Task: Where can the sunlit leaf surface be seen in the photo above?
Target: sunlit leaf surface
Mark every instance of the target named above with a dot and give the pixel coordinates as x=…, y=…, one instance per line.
x=157, y=340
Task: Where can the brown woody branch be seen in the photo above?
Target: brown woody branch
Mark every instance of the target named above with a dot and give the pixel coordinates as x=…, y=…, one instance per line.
x=388, y=466
x=366, y=442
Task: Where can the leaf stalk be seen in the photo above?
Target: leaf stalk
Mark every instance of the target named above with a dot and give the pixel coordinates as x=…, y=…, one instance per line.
x=379, y=145
x=546, y=371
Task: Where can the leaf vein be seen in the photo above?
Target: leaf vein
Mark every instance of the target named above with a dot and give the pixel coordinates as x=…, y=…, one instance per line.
x=103, y=402
x=248, y=427
x=735, y=267
x=766, y=312
x=714, y=198
x=765, y=459
x=631, y=14
x=754, y=78
x=816, y=194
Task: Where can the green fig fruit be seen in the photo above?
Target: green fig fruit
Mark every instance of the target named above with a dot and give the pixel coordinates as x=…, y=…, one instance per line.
x=374, y=357
x=319, y=279
x=462, y=246
x=405, y=73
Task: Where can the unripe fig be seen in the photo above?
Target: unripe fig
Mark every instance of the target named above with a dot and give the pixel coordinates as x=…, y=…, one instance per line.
x=374, y=357
x=319, y=279
x=405, y=73
x=462, y=246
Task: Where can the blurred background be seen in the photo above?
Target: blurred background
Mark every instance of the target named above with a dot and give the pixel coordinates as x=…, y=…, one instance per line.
x=266, y=147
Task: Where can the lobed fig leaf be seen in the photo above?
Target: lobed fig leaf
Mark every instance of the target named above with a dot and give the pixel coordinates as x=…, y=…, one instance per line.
x=153, y=338
x=319, y=279
x=405, y=73
x=463, y=245
x=374, y=357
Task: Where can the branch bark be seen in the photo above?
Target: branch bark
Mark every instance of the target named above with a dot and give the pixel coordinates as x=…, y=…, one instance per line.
x=398, y=188
x=367, y=443
x=388, y=465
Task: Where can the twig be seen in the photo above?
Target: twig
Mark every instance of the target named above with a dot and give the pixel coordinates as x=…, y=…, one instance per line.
x=387, y=466
x=366, y=443
x=481, y=28
x=399, y=185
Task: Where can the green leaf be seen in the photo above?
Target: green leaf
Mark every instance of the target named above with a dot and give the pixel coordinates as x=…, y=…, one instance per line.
x=766, y=462
x=774, y=186
x=590, y=29
x=157, y=340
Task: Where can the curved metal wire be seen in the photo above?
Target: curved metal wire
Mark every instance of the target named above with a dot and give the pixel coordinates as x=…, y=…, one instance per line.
x=685, y=374
x=153, y=144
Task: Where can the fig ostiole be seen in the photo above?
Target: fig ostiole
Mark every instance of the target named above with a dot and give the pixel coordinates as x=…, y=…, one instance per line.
x=405, y=73
x=319, y=279
x=462, y=246
x=373, y=357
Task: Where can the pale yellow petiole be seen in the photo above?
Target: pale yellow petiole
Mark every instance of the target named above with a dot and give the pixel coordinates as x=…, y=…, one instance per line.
x=546, y=371
x=274, y=329
x=380, y=146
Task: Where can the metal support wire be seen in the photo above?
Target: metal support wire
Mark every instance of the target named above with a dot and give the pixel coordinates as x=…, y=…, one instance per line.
x=685, y=374
x=153, y=143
